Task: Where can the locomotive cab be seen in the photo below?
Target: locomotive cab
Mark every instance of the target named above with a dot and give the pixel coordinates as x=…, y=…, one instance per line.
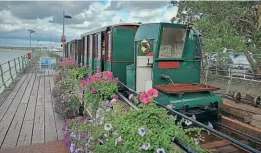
x=167, y=57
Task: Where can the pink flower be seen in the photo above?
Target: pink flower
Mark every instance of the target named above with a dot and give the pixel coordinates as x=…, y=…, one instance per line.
x=144, y=98
x=99, y=80
x=115, y=80
x=153, y=92
x=83, y=83
x=98, y=75
x=116, y=97
x=94, y=90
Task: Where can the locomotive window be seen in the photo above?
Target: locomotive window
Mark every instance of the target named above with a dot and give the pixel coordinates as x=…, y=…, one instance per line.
x=172, y=42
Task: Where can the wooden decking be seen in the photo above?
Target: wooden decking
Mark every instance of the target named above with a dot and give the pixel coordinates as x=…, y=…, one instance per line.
x=26, y=112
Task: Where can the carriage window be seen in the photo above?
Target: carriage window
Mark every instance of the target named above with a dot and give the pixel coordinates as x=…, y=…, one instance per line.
x=85, y=47
x=109, y=47
x=99, y=46
x=172, y=42
x=90, y=46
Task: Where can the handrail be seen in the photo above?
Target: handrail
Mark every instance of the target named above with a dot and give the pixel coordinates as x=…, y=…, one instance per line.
x=17, y=65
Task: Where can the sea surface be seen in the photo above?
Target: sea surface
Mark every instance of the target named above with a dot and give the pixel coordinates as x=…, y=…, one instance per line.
x=6, y=56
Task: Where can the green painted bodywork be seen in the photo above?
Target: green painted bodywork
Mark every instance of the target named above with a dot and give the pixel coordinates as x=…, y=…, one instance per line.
x=107, y=66
x=130, y=76
x=96, y=62
x=188, y=72
x=90, y=63
x=123, y=52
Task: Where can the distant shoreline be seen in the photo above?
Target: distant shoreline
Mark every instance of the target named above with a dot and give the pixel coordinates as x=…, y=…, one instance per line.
x=12, y=50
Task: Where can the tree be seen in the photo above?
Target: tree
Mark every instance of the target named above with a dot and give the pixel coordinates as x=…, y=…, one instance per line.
x=234, y=25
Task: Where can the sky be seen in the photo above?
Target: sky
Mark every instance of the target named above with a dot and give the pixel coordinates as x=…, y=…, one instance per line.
x=45, y=17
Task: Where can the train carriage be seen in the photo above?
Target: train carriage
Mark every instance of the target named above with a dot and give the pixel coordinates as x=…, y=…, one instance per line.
x=110, y=48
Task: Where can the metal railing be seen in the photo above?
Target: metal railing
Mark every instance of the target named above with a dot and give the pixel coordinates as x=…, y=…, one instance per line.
x=10, y=69
x=230, y=65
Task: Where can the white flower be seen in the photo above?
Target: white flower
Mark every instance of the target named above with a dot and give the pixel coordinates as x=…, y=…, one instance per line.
x=130, y=96
x=170, y=106
x=113, y=100
x=108, y=109
x=115, y=133
x=160, y=150
x=119, y=139
x=107, y=127
x=142, y=131
x=196, y=140
x=145, y=146
x=72, y=147
x=73, y=134
x=187, y=122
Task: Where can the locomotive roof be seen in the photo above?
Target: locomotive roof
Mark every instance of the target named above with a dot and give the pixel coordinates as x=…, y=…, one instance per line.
x=106, y=27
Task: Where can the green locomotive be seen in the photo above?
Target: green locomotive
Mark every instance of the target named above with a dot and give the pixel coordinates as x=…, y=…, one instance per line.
x=164, y=56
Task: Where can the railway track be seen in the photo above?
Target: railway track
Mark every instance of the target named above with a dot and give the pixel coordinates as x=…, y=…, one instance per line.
x=219, y=141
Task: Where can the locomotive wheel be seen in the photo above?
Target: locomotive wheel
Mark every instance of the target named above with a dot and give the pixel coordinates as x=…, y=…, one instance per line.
x=237, y=97
x=255, y=101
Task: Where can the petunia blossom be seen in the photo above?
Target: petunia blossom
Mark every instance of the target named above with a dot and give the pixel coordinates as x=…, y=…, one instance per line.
x=153, y=92
x=142, y=131
x=144, y=98
x=161, y=150
x=107, y=127
x=146, y=146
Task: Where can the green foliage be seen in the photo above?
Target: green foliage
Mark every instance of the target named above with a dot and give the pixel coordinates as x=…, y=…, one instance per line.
x=91, y=101
x=160, y=128
x=224, y=24
x=99, y=87
x=67, y=99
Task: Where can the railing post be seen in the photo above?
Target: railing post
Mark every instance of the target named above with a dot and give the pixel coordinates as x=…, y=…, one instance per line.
x=2, y=76
x=15, y=66
x=10, y=70
x=19, y=64
x=23, y=63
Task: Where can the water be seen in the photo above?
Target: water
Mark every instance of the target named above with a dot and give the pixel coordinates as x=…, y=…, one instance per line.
x=6, y=56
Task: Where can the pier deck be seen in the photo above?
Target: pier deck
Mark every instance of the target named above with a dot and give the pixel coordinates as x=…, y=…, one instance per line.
x=26, y=111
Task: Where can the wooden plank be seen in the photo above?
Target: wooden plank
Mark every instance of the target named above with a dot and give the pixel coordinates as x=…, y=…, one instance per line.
x=50, y=129
x=14, y=130
x=38, y=131
x=59, y=121
x=47, y=92
x=26, y=133
x=4, y=107
x=10, y=113
x=40, y=97
x=242, y=106
x=29, y=115
x=28, y=91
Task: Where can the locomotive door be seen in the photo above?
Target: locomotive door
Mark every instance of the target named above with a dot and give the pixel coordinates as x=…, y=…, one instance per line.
x=144, y=62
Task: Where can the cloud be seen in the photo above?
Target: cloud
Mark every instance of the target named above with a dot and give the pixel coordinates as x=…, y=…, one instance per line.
x=45, y=17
